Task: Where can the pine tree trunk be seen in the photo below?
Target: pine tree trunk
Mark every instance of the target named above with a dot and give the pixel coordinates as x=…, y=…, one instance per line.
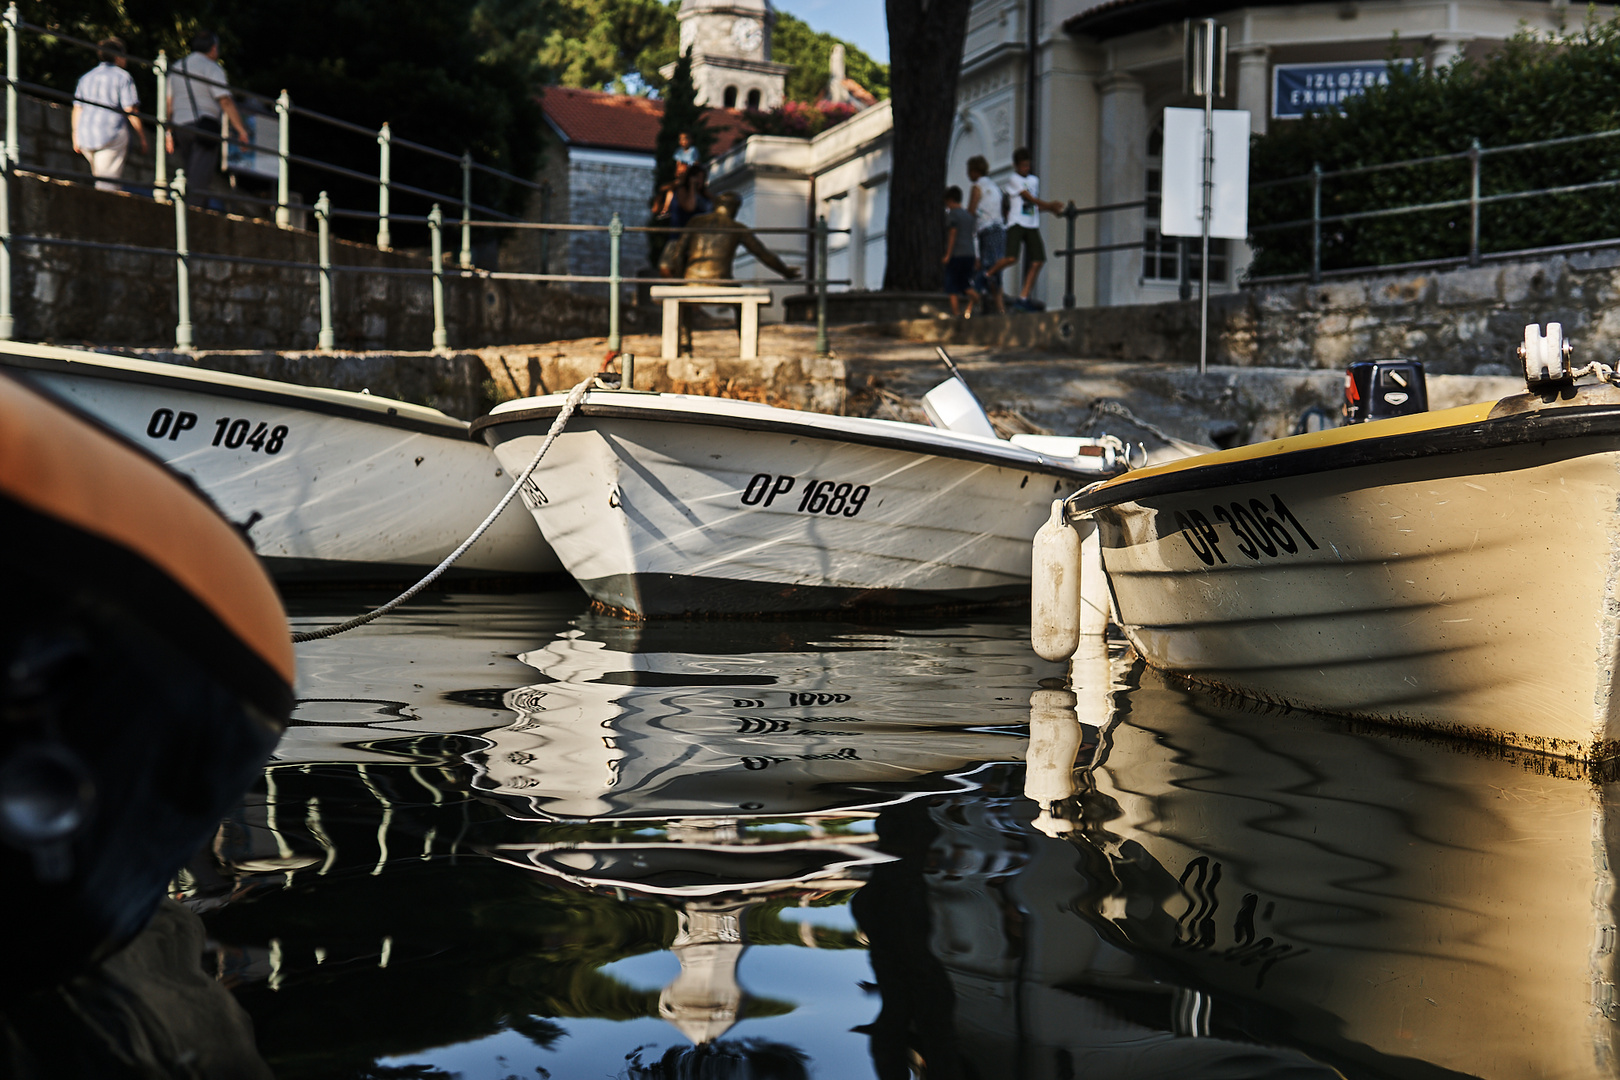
x=925, y=55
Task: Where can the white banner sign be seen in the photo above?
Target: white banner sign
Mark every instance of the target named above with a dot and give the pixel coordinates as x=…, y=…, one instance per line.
x=1182, y=210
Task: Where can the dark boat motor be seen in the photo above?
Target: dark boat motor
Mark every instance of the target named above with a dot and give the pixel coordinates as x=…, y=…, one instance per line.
x=1379, y=389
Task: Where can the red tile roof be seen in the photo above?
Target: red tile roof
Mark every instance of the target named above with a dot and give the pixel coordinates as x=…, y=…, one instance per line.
x=626, y=121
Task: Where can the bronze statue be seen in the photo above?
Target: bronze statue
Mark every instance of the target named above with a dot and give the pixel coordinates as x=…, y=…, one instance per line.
x=705, y=252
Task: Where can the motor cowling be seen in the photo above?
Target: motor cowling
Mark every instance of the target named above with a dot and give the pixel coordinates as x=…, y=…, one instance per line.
x=1380, y=389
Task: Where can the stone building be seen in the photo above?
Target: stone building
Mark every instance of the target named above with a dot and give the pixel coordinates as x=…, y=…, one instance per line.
x=598, y=159
x=730, y=42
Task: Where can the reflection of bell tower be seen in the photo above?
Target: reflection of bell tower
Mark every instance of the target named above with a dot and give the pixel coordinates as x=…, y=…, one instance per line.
x=705, y=1001
x=731, y=53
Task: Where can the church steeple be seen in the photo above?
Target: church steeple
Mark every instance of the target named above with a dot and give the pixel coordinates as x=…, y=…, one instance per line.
x=731, y=53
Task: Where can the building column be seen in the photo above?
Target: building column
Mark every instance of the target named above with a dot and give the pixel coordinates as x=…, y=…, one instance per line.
x=1254, y=84
x=1121, y=177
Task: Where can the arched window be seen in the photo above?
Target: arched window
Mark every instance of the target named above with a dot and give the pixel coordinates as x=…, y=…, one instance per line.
x=730, y=100
x=753, y=99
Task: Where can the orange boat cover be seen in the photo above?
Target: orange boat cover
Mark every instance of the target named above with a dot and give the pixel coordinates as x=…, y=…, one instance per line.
x=60, y=464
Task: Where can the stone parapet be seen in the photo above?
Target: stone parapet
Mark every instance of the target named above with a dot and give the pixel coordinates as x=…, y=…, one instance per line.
x=1466, y=321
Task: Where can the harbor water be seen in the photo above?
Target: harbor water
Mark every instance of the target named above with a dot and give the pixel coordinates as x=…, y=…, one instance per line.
x=506, y=837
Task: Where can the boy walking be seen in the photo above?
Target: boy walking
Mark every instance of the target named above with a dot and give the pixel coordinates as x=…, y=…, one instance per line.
x=1024, y=225
x=985, y=206
x=960, y=262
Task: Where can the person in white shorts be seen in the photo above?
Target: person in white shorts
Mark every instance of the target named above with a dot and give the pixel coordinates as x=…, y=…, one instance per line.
x=105, y=106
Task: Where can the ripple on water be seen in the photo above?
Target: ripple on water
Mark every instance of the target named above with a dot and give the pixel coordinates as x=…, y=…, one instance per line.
x=505, y=838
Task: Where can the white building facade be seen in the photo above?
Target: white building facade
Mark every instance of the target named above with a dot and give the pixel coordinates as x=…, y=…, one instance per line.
x=1085, y=85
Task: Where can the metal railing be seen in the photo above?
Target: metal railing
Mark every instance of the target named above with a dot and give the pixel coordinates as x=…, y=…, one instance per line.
x=1474, y=201
x=284, y=110
x=174, y=190
x=436, y=271
x=1069, y=214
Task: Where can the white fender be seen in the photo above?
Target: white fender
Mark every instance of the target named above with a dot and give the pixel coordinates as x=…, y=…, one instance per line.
x=1054, y=741
x=1054, y=587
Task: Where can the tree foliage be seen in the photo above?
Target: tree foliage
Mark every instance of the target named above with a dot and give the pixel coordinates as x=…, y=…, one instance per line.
x=810, y=52
x=421, y=65
x=1536, y=87
x=597, y=44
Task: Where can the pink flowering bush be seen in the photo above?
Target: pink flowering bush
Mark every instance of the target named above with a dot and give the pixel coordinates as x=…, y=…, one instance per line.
x=798, y=119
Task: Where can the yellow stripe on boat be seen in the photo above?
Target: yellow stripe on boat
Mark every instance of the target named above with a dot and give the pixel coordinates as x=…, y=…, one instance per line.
x=1461, y=416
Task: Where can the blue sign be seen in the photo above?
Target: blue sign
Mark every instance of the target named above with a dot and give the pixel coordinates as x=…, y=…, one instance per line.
x=1297, y=89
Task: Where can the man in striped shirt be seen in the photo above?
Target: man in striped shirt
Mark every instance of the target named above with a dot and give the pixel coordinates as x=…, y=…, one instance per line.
x=104, y=109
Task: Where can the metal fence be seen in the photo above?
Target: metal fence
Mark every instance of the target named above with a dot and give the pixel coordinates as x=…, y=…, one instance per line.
x=173, y=189
x=1474, y=202
x=284, y=110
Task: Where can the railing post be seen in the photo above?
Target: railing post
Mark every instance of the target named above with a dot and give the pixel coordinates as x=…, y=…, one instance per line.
x=385, y=146
x=1316, y=222
x=441, y=339
x=1473, y=204
x=283, y=162
x=466, y=209
x=7, y=324
x=1070, y=212
x=615, y=242
x=822, y=347
x=323, y=208
x=160, y=149
x=13, y=139
x=182, y=264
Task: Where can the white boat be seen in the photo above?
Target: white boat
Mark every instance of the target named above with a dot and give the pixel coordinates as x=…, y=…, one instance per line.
x=672, y=504
x=327, y=484
x=1453, y=570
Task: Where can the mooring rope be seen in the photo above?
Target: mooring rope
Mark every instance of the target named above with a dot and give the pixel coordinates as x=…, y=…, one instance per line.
x=575, y=396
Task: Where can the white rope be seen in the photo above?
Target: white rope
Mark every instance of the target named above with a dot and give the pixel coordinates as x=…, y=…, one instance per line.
x=575, y=396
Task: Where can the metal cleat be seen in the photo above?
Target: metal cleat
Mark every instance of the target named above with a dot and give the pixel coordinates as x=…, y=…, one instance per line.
x=1546, y=357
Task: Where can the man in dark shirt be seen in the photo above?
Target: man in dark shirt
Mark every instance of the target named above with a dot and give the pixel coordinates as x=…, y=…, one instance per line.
x=960, y=258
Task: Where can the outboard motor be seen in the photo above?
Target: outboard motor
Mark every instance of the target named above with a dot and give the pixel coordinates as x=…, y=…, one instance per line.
x=1379, y=389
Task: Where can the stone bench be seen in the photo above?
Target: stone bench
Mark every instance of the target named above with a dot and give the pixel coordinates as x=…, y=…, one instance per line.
x=748, y=300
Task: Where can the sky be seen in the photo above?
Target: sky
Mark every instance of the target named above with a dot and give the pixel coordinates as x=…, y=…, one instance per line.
x=859, y=22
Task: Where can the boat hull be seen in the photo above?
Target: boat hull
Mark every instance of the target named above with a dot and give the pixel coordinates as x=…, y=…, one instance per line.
x=669, y=515
x=1469, y=589
x=341, y=494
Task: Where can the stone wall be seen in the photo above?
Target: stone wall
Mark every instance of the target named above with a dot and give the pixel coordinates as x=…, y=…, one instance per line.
x=469, y=383
x=79, y=295
x=1458, y=322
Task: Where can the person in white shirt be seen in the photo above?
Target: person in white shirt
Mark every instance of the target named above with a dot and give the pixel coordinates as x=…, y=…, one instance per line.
x=1024, y=225
x=105, y=108
x=197, y=95
x=985, y=205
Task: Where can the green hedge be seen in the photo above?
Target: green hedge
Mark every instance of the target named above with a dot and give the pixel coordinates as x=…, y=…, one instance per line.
x=1534, y=88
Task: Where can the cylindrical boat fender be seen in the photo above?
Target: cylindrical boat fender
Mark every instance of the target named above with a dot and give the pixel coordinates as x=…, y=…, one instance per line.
x=1054, y=593
x=1054, y=742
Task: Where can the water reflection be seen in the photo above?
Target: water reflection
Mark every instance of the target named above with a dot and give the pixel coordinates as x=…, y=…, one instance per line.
x=508, y=839
x=1385, y=901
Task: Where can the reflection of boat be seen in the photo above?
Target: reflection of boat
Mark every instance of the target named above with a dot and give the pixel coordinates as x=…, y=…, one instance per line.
x=665, y=504
x=326, y=483
x=147, y=670
x=1452, y=570
x=672, y=735
x=1371, y=899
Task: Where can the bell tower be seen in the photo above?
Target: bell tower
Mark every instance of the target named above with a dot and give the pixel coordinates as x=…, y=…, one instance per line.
x=731, y=53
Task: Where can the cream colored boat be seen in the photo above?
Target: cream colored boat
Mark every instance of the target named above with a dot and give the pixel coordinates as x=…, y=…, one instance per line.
x=1455, y=570
x=1394, y=905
